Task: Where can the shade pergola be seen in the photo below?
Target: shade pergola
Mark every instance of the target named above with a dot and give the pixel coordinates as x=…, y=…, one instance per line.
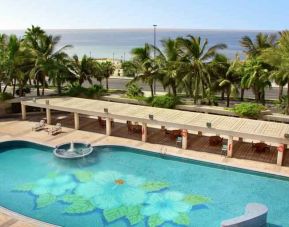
x=228, y=126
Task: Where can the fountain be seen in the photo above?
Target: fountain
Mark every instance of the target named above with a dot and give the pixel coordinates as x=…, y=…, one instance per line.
x=73, y=150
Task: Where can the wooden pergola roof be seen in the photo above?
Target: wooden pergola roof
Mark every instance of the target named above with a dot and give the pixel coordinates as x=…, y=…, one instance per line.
x=223, y=125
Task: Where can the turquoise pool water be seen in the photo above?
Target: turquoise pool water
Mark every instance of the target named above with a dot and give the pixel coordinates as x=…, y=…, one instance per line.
x=120, y=186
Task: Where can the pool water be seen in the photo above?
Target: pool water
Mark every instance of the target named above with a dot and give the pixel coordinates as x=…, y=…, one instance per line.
x=120, y=186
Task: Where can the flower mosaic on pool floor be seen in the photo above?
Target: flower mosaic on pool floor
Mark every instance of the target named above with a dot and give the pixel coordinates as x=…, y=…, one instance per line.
x=116, y=196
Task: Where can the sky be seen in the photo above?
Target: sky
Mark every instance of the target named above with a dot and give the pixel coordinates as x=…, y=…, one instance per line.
x=192, y=14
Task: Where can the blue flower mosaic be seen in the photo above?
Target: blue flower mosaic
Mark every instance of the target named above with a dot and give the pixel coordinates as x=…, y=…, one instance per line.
x=116, y=196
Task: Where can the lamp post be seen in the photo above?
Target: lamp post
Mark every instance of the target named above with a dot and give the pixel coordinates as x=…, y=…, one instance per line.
x=155, y=43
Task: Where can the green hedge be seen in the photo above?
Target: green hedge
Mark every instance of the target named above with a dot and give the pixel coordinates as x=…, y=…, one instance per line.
x=133, y=90
x=79, y=91
x=5, y=96
x=165, y=101
x=250, y=110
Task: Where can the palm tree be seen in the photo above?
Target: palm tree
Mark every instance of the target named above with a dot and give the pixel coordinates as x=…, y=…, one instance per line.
x=255, y=76
x=278, y=57
x=261, y=42
x=197, y=54
x=229, y=79
x=146, y=65
x=61, y=71
x=83, y=68
x=44, y=51
x=107, y=69
x=3, y=57
x=170, y=64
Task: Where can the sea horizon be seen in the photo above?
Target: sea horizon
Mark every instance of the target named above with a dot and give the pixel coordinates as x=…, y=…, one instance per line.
x=117, y=43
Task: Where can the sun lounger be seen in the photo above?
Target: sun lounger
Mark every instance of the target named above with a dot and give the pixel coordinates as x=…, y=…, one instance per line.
x=224, y=150
x=179, y=140
x=56, y=129
x=39, y=126
x=255, y=216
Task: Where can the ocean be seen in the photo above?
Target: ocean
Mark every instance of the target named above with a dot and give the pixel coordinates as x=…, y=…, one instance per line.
x=117, y=43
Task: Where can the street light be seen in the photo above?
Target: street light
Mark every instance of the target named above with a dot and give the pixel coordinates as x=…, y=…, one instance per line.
x=155, y=43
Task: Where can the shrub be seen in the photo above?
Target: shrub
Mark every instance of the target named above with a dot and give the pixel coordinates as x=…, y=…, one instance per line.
x=250, y=110
x=133, y=90
x=75, y=90
x=282, y=104
x=79, y=91
x=165, y=101
x=94, y=91
x=5, y=96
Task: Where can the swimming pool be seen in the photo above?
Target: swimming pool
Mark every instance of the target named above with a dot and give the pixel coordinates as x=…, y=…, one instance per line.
x=120, y=186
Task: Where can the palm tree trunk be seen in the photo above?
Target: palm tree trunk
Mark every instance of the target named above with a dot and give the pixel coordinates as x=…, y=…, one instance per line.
x=223, y=95
x=280, y=92
x=174, y=89
x=37, y=87
x=43, y=85
x=263, y=97
x=242, y=94
x=228, y=97
x=106, y=81
x=287, y=112
x=152, y=90
x=14, y=87
x=196, y=91
x=59, y=87
x=4, y=89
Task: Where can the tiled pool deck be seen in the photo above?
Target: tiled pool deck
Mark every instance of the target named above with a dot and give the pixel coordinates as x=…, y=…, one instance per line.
x=199, y=149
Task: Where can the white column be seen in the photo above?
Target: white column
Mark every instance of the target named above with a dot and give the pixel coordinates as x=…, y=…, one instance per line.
x=280, y=155
x=48, y=116
x=23, y=111
x=76, y=121
x=185, y=139
x=144, y=132
x=230, y=147
x=108, y=126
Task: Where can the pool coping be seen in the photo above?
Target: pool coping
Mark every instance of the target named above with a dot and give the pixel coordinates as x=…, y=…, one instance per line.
x=21, y=217
x=28, y=219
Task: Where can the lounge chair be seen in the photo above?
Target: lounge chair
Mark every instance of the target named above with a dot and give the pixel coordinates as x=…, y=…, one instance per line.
x=39, y=126
x=56, y=129
x=224, y=150
x=215, y=140
x=179, y=140
x=255, y=216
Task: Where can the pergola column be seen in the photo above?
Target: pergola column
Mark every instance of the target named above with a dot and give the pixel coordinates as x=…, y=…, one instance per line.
x=23, y=111
x=280, y=155
x=184, y=139
x=76, y=121
x=48, y=116
x=108, y=126
x=230, y=147
x=144, y=132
